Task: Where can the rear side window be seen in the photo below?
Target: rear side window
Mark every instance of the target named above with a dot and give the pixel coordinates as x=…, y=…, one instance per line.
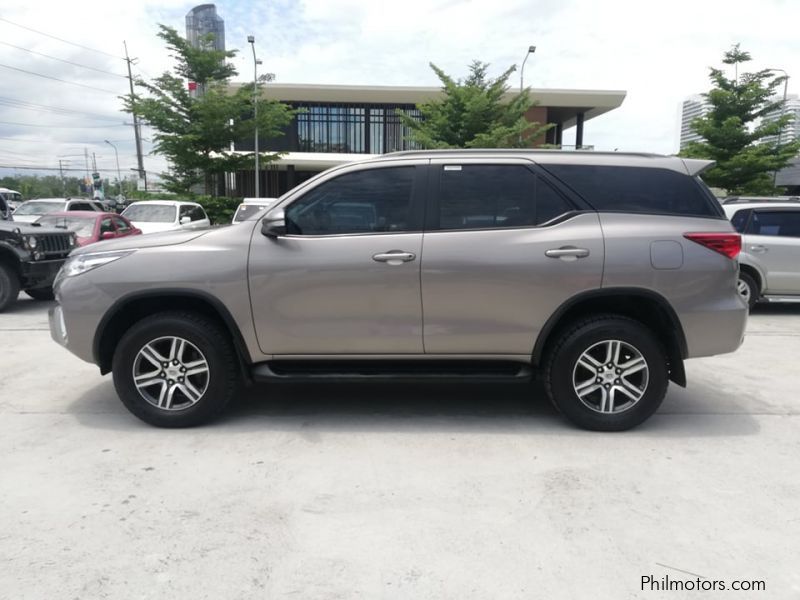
x=636, y=190
x=495, y=196
x=775, y=222
x=739, y=220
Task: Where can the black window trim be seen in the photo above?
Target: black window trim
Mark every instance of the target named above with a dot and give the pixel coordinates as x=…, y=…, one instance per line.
x=435, y=182
x=419, y=193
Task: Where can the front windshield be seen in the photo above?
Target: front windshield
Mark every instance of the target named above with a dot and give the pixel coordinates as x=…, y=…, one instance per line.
x=82, y=226
x=38, y=208
x=247, y=211
x=150, y=213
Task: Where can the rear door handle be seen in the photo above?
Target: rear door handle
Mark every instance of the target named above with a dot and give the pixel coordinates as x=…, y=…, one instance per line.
x=394, y=257
x=567, y=253
x=758, y=248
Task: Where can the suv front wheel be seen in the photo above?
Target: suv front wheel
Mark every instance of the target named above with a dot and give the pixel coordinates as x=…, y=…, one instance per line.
x=607, y=373
x=176, y=369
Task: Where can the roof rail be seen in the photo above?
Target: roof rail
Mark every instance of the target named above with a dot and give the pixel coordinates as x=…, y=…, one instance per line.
x=517, y=151
x=759, y=199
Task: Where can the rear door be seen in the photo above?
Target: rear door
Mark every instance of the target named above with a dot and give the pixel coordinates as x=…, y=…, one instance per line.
x=773, y=240
x=503, y=248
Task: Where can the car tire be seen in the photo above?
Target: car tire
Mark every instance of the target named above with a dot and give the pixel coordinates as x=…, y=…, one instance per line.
x=593, y=396
x=182, y=398
x=748, y=289
x=41, y=293
x=9, y=286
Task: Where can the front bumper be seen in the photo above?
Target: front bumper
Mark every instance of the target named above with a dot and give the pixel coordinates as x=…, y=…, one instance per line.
x=40, y=274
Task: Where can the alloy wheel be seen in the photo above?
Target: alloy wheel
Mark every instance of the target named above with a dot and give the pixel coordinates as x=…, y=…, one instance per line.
x=610, y=377
x=171, y=373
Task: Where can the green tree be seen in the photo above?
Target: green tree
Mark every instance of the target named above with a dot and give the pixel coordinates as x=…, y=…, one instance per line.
x=194, y=131
x=474, y=113
x=733, y=130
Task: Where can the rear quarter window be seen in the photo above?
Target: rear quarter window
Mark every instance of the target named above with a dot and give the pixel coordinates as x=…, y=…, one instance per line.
x=637, y=190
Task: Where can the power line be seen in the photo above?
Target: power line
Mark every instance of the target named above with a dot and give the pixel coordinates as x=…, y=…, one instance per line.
x=60, y=110
x=32, y=168
x=64, y=126
x=69, y=62
x=91, y=87
x=60, y=39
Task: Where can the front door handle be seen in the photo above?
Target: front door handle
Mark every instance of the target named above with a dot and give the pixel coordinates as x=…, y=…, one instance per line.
x=758, y=248
x=567, y=253
x=394, y=257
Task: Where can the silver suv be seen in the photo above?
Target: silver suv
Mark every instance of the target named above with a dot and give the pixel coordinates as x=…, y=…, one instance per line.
x=770, y=257
x=597, y=272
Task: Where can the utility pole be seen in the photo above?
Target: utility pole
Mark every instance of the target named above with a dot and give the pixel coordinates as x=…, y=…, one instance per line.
x=136, y=133
x=61, y=172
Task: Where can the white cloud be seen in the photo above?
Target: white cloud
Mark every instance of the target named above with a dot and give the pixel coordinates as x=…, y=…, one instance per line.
x=657, y=51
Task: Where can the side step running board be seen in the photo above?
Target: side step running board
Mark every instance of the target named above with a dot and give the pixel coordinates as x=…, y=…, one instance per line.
x=379, y=370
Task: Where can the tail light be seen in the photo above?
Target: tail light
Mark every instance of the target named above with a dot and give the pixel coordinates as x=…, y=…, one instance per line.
x=727, y=244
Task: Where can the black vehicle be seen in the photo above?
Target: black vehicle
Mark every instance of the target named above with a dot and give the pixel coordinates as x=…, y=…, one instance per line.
x=30, y=257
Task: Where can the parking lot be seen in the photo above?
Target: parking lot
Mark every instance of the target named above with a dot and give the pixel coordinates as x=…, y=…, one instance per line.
x=397, y=491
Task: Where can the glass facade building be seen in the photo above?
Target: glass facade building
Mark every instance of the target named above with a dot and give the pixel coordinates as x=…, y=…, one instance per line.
x=202, y=20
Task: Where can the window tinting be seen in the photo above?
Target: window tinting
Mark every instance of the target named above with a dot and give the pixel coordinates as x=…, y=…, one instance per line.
x=197, y=213
x=491, y=196
x=636, y=189
x=777, y=223
x=739, y=220
x=377, y=200
x=106, y=226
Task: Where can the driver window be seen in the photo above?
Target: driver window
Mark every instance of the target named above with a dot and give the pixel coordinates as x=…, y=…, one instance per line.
x=370, y=201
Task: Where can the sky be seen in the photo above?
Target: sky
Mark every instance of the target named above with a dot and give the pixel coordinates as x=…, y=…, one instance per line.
x=659, y=52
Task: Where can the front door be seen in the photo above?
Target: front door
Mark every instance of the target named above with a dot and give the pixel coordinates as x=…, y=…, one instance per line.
x=503, y=250
x=344, y=280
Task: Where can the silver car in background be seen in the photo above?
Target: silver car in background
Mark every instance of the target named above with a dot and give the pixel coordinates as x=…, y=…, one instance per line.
x=597, y=272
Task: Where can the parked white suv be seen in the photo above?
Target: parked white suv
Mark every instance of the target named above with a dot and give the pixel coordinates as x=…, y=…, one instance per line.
x=769, y=264
x=165, y=215
x=31, y=210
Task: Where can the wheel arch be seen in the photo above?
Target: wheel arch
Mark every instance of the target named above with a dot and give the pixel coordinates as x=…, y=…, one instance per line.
x=755, y=273
x=130, y=309
x=10, y=258
x=646, y=306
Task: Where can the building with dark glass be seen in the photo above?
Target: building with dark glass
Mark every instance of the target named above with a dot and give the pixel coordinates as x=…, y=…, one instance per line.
x=202, y=20
x=343, y=123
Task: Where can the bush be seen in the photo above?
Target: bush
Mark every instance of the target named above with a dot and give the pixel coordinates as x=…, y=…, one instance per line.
x=220, y=209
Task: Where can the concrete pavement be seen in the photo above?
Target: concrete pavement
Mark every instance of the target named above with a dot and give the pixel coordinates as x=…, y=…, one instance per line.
x=397, y=491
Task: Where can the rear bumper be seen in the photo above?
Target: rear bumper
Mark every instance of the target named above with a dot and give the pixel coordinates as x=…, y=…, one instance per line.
x=40, y=274
x=717, y=331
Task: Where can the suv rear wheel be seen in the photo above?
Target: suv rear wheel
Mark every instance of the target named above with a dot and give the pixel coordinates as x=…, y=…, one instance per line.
x=748, y=289
x=9, y=286
x=607, y=373
x=176, y=369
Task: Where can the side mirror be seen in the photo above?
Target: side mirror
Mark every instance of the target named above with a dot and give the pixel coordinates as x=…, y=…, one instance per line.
x=186, y=220
x=274, y=224
x=108, y=235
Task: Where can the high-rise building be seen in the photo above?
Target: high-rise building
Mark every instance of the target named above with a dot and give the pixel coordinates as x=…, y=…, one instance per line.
x=693, y=107
x=792, y=130
x=202, y=20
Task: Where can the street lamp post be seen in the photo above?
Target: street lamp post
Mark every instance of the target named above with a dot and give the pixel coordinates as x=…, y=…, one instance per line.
x=783, y=112
x=119, y=175
x=531, y=50
x=252, y=41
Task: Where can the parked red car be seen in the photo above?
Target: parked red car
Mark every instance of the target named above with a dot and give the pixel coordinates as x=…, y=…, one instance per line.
x=90, y=226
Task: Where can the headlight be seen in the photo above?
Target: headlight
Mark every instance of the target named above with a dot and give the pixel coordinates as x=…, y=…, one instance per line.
x=86, y=262
x=30, y=241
